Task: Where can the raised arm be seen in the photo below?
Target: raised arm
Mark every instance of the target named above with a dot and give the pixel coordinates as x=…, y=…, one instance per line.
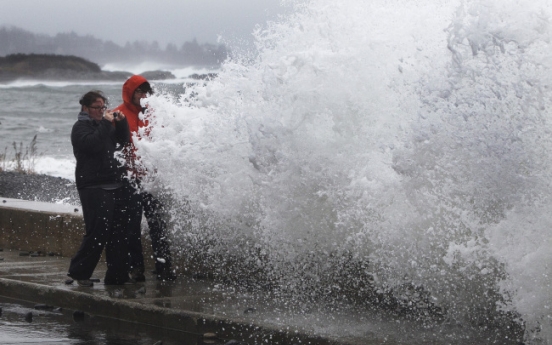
x=91, y=139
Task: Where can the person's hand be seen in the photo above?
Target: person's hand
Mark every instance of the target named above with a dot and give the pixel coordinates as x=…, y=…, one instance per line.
x=111, y=115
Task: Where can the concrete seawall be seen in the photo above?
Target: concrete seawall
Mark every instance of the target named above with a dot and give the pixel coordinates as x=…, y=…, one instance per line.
x=54, y=229
x=40, y=227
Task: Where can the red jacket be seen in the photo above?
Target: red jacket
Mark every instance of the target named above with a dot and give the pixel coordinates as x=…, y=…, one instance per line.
x=132, y=113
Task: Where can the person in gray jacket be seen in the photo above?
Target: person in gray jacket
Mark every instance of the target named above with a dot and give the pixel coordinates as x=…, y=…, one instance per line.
x=95, y=137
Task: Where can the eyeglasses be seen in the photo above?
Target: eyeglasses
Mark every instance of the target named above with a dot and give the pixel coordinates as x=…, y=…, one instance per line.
x=99, y=108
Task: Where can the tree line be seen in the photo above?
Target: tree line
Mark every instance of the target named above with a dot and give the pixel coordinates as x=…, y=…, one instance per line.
x=15, y=40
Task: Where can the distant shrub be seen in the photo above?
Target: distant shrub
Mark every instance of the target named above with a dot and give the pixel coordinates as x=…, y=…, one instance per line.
x=3, y=164
x=24, y=160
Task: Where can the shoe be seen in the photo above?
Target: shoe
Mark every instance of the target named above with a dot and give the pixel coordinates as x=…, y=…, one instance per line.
x=85, y=283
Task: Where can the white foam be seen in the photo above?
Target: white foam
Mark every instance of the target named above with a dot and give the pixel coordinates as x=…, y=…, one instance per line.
x=42, y=129
x=136, y=67
x=47, y=165
x=412, y=136
x=59, y=167
x=181, y=73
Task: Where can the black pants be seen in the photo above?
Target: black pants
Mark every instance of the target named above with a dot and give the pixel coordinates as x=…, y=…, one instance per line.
x=153, y=210
x=105, y=217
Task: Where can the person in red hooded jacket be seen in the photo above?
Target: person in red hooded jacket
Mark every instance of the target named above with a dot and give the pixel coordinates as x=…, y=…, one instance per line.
x=134, y=90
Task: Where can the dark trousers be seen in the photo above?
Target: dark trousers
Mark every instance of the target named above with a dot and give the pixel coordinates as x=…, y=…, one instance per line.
x=153, y=210
x=105, y=217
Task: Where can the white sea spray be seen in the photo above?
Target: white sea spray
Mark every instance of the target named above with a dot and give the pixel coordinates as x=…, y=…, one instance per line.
x=411, y=140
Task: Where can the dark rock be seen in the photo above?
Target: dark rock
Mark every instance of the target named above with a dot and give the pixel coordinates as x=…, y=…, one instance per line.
x=34, y=255
x=158, y=342
x=37, y=187
x=158, y=75
x=43, y=307
x=24, y=253
x=1, y=259
x=76, y=210
x=54, y=67
x=0, y=311
x=51, y=254
x=29, y=317
x=95, y=280
x=207, y=76
x=78, y=315
x=29, y=64
x=249, y=310
x=1, y=249
x=69, y=281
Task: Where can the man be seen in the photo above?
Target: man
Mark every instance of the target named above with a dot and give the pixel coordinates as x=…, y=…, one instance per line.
x=134, y=90
x=98, y=176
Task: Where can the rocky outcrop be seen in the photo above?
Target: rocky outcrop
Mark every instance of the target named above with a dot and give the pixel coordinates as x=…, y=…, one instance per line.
x=206, y=76
x=54, y=67
x=158, y=75
x=68, y=67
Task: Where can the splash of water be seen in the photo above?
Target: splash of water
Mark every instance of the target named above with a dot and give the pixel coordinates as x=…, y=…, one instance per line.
x=375, y=149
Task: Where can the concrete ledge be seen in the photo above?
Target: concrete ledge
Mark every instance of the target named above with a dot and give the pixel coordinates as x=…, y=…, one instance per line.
x=103, y=306
x=180, y=320
x=38, y=226
x=46, y=228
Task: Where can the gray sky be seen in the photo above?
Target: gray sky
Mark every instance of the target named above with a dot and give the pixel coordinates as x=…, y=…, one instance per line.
x=165, y=21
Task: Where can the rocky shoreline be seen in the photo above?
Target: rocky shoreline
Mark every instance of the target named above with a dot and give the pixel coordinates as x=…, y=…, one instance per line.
x=38, y=187
x=60, y=67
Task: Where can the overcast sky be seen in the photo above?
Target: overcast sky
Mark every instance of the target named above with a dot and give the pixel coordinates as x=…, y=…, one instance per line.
x=164, y=21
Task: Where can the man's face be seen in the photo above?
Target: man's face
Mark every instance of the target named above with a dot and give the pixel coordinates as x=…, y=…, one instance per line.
x=96, y=109
x=137, y=96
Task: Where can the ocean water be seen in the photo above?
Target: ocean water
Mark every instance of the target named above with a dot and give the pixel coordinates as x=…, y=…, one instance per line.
x=48, y=109
x=371, y=155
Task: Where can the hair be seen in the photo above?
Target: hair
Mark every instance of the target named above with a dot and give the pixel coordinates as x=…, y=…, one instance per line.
x=90, y=97
x=146, y=87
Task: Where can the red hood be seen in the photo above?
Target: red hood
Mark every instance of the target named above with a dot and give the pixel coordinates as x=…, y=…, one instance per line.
x=128, y=91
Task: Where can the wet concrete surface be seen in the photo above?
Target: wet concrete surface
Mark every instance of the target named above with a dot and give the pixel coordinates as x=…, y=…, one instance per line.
x=191, y=311
x=195, y=308
x=190, y=308
x=59, y=326
x=189, y=305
